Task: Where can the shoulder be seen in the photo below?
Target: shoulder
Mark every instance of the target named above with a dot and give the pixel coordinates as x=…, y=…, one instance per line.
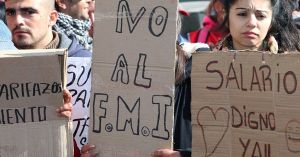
x=190, y=48
x=73, y=46
x=77, y=50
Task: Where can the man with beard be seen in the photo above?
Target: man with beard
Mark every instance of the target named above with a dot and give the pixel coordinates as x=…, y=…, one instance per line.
x=31, y=22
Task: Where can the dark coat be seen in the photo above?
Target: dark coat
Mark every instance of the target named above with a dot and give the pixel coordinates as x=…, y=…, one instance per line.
x=182, y=114
x=74, y=48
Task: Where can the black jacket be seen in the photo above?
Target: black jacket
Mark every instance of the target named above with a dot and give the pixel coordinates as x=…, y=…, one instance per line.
x=182, y=114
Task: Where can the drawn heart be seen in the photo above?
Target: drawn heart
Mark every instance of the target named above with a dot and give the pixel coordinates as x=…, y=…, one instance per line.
x=209, y=120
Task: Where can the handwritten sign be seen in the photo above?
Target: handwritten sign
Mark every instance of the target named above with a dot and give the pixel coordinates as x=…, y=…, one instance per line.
x=133, y=77
x=30, y=92
x=245, y=104
x=79, y=85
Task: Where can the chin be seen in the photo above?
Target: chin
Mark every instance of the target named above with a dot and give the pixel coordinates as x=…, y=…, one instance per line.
x=83, y=17
x=23, y=45
x=252, y=45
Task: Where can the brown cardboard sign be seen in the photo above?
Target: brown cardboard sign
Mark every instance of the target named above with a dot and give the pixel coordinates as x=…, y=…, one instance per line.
x=133, y=77
x=30, y=92
x=245, y=104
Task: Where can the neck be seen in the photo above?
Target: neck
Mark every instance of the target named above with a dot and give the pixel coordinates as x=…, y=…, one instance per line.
x=252, y=47
x=43, y=43
x=55, y=41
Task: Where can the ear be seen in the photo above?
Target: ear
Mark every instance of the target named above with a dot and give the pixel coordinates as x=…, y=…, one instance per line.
x=53, y=17
x=61, y=4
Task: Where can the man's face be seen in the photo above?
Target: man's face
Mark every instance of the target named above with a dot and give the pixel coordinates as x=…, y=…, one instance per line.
x=29, y=22
x=78, y=9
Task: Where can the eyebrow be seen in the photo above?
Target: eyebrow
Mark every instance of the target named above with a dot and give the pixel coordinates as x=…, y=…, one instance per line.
x=248, y=9
x=9, y=9
x=25, y=9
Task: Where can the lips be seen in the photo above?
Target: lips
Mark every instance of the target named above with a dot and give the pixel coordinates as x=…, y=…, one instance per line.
x=20, y=32
x=250, y=35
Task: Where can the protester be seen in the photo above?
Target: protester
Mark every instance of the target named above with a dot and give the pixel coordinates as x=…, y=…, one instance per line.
x=249, y=23
x=212, y=31
x=29, y=12
x=31, y=21
x=264, y=29
x=73, y=20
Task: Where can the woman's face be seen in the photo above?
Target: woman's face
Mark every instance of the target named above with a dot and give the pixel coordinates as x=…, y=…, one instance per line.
x=249, y=22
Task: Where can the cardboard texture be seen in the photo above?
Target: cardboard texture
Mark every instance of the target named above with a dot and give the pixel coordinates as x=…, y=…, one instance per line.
x=30, y=91
x=133, y=77
x=245, y=104
x=79, y=85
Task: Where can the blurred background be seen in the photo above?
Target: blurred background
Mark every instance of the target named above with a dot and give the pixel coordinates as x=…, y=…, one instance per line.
x=195, y=11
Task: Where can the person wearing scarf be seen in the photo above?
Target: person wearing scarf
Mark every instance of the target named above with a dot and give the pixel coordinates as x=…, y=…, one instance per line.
x=73, y=20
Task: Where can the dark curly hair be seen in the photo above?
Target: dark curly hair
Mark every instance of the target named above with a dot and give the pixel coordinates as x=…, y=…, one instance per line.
x=284, y=28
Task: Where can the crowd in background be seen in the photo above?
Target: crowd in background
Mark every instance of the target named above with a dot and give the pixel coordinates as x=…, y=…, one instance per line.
x=260, y=25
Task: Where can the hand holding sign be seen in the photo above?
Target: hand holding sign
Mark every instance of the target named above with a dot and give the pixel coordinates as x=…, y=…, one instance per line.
x=165, y=153
x=88, y=150
x=66, y=109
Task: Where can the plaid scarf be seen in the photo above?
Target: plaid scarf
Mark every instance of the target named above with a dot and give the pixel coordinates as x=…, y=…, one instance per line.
x=77, y=28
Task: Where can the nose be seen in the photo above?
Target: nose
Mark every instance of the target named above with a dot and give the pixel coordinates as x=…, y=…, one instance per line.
x=252, y=21
x=19, y=19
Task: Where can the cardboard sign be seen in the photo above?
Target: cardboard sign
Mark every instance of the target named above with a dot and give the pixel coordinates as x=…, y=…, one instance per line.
x=79, y=85
x=30, y=92
x=245, y=104
x=133, y=77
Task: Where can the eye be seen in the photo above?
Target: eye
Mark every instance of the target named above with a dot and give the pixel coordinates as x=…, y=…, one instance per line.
x=260, y=15
x=244, y=13
x=10, y=12
x=29, y=11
